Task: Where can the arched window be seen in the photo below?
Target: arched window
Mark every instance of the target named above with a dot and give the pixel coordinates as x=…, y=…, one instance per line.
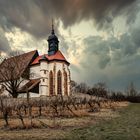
x=51, y=83
x=65, y=83
x=59, y=82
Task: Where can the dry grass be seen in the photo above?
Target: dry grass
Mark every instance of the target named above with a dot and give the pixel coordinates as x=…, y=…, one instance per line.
x=57, y=127
x=124, y=127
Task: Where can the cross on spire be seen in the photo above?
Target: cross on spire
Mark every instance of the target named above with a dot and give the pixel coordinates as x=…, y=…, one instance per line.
x=52, y=27
x=53, y=41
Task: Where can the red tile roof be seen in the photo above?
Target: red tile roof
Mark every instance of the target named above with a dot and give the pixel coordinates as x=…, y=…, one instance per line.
x=57, y=56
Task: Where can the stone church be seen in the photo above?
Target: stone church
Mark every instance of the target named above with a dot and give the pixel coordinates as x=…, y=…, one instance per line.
x=49, y=74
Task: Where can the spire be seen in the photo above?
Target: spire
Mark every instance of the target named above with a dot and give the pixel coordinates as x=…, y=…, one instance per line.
x=52, y=28
x=52, y=42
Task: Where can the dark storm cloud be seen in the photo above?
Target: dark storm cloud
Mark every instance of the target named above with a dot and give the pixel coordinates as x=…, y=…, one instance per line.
x=113, y=50
x=34, y=16
x=102, y=11
x=95, y=46
x=114, y=61
x=23, y=14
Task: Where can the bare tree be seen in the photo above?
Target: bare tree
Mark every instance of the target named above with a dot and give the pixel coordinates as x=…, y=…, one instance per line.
x=14, y=71
x=73, y=86
x=81, y=88
x=99, y=90
x=131, y=90
x=5, y=109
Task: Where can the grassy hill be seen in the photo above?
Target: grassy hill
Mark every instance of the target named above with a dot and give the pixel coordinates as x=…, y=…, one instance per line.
x=124, y=127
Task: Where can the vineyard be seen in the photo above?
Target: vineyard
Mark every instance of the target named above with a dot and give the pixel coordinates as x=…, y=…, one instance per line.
x=31, y=112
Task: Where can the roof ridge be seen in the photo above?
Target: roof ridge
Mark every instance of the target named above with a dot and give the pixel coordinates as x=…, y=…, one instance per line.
x=62, y=55
x=25, y=53
x=58, y=56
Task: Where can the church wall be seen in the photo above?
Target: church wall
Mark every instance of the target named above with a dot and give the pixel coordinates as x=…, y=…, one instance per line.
x=52, y=67
x=55, y=67
x=35, y=72
x=66, y=69
x=59, y=66
x=44, y=78
x=42, y=71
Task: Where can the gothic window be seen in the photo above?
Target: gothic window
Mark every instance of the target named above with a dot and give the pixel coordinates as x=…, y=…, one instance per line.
x=51, y=83
x=59, y=82
x=65, y=83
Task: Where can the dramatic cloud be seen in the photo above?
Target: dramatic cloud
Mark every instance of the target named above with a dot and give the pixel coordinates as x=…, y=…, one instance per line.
x=4, y=45
x=25, y=15
x=113, y=50
x=112, y=58
x=34, y=16
x=23, y=41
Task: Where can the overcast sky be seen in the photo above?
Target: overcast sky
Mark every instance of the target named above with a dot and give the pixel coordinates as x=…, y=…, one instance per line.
x=100, y=38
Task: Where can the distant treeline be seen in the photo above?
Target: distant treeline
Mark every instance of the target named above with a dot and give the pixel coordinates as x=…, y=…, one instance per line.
x=101, y=90
x=121, y=97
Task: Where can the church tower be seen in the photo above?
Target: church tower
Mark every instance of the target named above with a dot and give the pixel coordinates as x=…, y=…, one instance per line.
x=52, y=42
x=52, y=69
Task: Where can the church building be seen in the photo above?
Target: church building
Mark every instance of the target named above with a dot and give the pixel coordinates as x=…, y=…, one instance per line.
x=49, y=74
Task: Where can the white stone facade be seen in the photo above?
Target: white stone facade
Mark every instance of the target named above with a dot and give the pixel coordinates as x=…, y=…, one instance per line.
x=42, y=72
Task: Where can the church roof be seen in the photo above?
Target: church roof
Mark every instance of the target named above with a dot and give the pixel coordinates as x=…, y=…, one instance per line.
x=58, y=56
x=14, y=67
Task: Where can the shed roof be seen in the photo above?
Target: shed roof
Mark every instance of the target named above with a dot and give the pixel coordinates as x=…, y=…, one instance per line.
x=32, y=85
